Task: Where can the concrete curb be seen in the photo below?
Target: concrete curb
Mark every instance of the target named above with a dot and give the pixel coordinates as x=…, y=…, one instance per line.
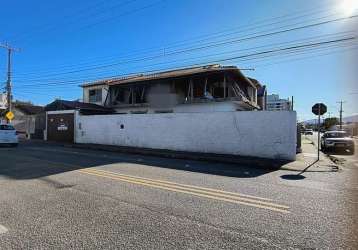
x=254, y=162
x=322, y=169
x=243, y=160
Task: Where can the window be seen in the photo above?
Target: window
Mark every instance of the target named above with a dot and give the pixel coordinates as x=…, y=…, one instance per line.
x=131, y=95
x=95, y=95
x=336, y=135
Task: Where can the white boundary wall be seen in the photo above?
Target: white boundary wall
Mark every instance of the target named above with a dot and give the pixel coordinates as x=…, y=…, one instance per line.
x=266, y=134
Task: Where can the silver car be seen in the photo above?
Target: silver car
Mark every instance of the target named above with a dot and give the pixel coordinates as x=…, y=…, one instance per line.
x=337, y=140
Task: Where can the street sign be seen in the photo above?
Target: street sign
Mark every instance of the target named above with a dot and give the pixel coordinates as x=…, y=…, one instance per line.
x=9, y=115
x=319, y=109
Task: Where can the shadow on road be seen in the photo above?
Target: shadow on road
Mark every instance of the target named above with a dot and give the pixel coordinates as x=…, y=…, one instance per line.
x=298, y=176
x=37, y=160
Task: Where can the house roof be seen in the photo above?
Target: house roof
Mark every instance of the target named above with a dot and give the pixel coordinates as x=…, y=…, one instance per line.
x=76, y=105
x=29, y=109
x=255, y=82
x=177, y=73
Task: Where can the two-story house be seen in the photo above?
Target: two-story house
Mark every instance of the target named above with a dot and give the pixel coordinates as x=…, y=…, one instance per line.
x=199, y=89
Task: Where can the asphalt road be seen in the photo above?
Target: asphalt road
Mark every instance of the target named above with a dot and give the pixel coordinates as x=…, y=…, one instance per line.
x=55, y=197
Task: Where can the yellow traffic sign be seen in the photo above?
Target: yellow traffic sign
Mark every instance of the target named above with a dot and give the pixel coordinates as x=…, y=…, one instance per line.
x=9, y=115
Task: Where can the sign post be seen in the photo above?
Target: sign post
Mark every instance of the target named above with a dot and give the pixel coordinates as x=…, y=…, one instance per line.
x=319, y=109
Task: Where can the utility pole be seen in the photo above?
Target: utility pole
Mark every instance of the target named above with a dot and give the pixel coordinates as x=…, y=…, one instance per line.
x=292, y=103
x=8, y=82
x=340, y=114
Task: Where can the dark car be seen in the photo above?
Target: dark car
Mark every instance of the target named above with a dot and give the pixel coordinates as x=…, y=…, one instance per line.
x=308, y=132
x=337, y=140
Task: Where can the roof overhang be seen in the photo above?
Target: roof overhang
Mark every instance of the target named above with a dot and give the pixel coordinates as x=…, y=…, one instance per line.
x=172, y=74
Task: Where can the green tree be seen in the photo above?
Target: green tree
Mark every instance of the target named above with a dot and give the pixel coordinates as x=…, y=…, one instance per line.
x=329, y=122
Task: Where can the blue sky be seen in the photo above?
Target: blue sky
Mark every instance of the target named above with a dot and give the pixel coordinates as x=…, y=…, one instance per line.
x=65, y=43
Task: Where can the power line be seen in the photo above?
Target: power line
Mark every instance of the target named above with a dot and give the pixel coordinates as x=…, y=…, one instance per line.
x=125, y=13
x=330, y=52
x=206, y=62
x=267, y=52
x=71, y=18
x=156, y=64
x=298, y=41
x=202, y=47
x=201, y=41
x=44, y=88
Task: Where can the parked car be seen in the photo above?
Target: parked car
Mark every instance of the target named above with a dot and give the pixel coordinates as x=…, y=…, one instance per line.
x=309, y=132
x=8, y=135
x=337, y=140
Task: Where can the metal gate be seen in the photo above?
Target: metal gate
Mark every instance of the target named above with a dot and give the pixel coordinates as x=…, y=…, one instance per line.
x=60, y=127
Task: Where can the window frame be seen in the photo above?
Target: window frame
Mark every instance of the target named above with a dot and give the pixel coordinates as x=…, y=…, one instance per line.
x=96, y=97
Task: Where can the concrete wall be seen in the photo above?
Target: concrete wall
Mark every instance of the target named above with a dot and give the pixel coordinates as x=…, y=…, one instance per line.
x=248, y=133
x=264, y=134
x=184, y=108
x=206, y=107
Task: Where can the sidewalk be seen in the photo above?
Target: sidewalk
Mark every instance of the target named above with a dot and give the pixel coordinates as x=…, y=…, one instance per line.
x=307, y=160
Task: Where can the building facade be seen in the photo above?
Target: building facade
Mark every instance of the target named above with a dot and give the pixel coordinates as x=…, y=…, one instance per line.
x=274, y=103
x=29, y=119
x=200, y=89
x=196, y=109
x=3, y=107
x=3, y=101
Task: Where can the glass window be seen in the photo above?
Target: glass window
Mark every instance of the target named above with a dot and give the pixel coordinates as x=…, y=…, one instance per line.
x=95, y=95
x=336, y=135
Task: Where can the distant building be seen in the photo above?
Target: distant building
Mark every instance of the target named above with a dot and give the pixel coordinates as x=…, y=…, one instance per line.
x=274, y=103
x=350, y=128
x=3, y=107
x=29, y=119
x=3, y=101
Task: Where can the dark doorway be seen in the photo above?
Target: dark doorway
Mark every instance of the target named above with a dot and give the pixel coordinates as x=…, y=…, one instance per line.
x=60, y=127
